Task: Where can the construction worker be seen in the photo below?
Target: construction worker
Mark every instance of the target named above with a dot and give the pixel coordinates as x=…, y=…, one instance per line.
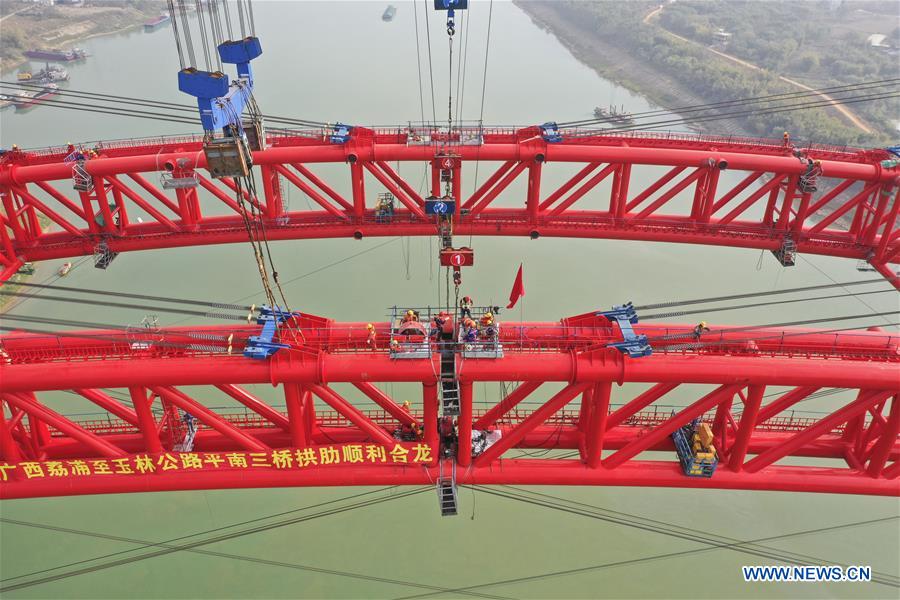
x=446, y=333
x=410, y=317
x=470, y=330
x=465, y=307
x=699, y=329
x=487, y=319
x=372, y=339
x=786, y=139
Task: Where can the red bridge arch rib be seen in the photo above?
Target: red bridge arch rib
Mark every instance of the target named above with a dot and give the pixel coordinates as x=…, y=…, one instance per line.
x=575, y=394
x=853, y=214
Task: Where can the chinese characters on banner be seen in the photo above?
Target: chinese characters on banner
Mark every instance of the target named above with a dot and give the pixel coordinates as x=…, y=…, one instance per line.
x=142, y=464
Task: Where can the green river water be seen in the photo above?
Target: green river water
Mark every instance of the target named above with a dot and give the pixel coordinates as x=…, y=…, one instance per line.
x=339, y=61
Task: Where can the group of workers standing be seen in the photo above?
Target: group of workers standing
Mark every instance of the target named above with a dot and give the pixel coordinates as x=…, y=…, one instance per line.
x=441, y=328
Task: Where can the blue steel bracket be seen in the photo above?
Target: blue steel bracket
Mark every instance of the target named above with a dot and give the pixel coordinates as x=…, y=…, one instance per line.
x=261, y=346
x=340, y=133
x=219, y=100
x=632, y=344
x=550, y=132
x=451, y=4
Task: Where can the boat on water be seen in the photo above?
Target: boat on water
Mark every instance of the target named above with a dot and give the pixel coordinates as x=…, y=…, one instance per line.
x=64, y=269
x=156, y=22
x=25, y=100
x=613, y=115
x=51, y=74
x=389, y=13
x=57, y=54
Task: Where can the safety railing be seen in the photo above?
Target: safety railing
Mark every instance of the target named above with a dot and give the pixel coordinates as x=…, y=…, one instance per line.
x=791, y=421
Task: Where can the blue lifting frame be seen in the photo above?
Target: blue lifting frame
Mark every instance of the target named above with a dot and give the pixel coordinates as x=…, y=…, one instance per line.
x=220, y=101
x=261, y=346
x=632, y=344
x=550, y=132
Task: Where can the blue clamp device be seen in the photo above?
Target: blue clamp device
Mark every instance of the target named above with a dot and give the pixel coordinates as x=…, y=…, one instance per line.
x=632, y=344
x=261, y=346
x=221, y=102
x=550, y=132
x=340, y=133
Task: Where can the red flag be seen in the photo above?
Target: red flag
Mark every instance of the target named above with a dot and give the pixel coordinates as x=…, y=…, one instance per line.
x=518, y=289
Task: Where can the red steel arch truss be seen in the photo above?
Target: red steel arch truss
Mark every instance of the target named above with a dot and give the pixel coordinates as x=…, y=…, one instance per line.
x=744, y=384
x=853, y=212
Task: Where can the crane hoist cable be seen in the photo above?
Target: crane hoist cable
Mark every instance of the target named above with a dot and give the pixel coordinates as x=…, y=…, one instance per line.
x=487, y=50
x=430, y=69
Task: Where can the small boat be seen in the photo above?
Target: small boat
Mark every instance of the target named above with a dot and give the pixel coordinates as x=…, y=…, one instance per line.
x=50, y=74
x=613, y=115
x=24, y=76
x=56, y=54
x=389, y=13
x=156, y=23
x=25, y=100
x=64, y=269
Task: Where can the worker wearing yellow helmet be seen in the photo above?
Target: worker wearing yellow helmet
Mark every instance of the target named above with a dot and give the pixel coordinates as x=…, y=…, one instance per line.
x=372, y=338
x=699, y=329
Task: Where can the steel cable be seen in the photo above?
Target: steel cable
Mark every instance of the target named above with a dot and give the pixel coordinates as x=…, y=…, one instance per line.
x=742, y=101
x=63, y=288
x=169, y=549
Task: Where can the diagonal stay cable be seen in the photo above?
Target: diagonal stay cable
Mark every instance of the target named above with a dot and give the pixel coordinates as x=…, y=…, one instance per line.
x=691, y=531
x=167, y=309
x=741, y=101
x=65, y=288
x=884, y=580
x=755, y=294
x=755, y=305
x=646, y=559
x=170, y=549
x=238, y=557
x=208, y=531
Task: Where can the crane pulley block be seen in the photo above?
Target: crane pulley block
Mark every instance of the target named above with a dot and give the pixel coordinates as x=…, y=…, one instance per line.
x=457, y=257
x=440, y=206
x=228, y=157
x=256, y=134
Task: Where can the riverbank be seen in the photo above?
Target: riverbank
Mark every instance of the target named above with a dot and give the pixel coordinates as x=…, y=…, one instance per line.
x=26, y=25
x=627, y=46
x=612, y=61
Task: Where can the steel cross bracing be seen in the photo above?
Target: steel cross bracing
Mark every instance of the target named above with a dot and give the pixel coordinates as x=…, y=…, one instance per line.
x=574, y=394
x=851, y=213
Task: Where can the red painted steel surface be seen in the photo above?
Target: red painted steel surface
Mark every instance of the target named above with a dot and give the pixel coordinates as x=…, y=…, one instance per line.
x=747, y=385
x=852, y=214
